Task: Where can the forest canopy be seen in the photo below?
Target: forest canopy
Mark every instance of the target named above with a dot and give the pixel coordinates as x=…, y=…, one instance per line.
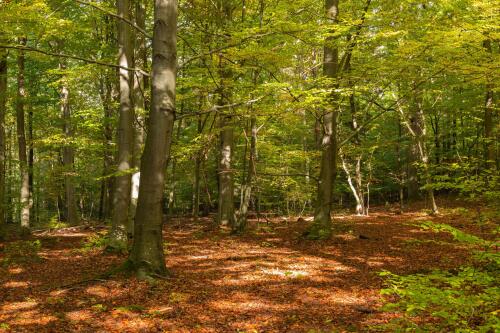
x=130, y=114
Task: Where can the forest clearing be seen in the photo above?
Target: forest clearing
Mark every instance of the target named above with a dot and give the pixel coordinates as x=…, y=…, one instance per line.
x=269, y=280
x=249, y=166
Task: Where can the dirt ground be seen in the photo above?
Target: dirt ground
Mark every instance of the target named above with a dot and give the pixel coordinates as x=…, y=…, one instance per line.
x=268, y=280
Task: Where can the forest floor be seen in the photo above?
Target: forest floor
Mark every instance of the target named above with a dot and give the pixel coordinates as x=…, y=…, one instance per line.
x=268, y=280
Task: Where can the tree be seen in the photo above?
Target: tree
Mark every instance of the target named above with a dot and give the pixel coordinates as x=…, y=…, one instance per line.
x=25, y=195
x=146, y=257
x=3, y=107
x=68, y=154
x=322, y=215
x=122, y=184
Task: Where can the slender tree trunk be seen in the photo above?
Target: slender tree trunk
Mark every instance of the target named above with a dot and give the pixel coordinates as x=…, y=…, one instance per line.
x=68, y=155
x=417, y=128
x=322, y=225
x=3, y=100
x=21, y=139
x=122, y=185
x=107, y=157
x=246, y=187
x=147, y=256
x=489, y=153
x=196, y=183
x=140, y=84
x=226, y=213
x=354, y=185
x=401, y=176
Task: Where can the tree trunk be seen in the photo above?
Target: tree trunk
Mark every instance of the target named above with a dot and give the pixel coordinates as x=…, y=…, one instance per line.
x=147, y=256
x=140, y=84
x=322, y=225
x=246, y=187
x=489, y=153
x=122, y=186
x=68, y=155
x=196, y=183
x=21, y=139
x=107, y=156
x=417, y=128
x=3, y=100
x=226, y=215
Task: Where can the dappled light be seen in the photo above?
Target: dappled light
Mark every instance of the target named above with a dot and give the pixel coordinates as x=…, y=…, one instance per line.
x=268, y=280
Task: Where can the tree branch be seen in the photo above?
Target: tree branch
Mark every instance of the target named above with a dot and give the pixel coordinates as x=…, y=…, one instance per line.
x=62, y=55
x=132, y=24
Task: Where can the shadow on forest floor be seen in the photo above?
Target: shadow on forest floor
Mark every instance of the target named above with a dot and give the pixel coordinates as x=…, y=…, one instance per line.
x=268, y=280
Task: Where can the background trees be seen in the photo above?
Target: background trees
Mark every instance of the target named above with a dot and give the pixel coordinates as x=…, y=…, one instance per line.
x=411, y=103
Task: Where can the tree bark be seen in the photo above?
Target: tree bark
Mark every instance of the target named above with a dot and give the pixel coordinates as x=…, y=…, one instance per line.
x=226, y=214
x=147, y=258
x=418, y=130
x=322, y=224
x=489, y=153
x=122, y=186
x=3, y=100
x=140, y=85
x=105, y=205
x=246, y=187
x=68, y=155
x=197, y=167
x=21, y=139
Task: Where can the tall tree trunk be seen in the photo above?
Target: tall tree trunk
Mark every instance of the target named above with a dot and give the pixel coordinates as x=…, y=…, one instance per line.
x=21, y=139
x=197, y=167
x=68, y=155
x=322, y=225
x=3, y=100
x=147, y=256
x=226, y=216
x=417, y=128
x=489, y=153
x=246, y=187
x=140, y=84
x=122, y=185
x=105, y=89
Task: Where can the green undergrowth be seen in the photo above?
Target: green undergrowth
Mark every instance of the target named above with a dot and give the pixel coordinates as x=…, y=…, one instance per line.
x=465, y=299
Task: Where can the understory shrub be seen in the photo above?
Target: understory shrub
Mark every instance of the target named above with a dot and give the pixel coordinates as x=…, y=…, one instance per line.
x=464, y=300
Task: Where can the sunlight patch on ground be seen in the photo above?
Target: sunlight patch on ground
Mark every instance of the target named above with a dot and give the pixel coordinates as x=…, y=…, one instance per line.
x=98, y=291
x=17, y=306
x=285, y=273
x=79, y=315
x=15, y=270
x=16, y=284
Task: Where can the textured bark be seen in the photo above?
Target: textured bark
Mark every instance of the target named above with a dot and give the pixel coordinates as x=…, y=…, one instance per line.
x=140, y=84
x=68, y=156
x=196, y=183
x=418, y=130
x=246, y=187
x=3, y=99
x=147, y=256
x=226, y=213
x=122, y=185
x=489, y=136
x=322, y=225
x=106, y=195
x=21, y=139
